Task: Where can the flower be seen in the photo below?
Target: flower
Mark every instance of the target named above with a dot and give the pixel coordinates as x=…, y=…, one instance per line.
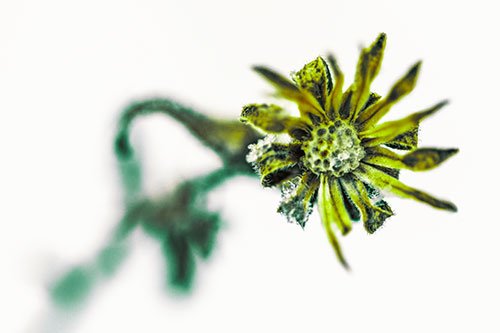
x=336, y=153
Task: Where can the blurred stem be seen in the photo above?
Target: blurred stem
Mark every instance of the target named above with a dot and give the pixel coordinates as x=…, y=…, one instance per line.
x=228, y=138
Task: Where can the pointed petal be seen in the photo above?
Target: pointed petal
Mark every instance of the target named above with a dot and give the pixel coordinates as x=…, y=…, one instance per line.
x=350, y=206
x=382, y=156
x=402, y=88
x=325, y=211
x=308, y=105
x=336, y=246
x=387, y=170
x=405, y=141
x=273, y=119
x=383, y=181
x=335, y=96
x=377, y=214
x=343, y=216
x=374, y=216
x=387, y=131
x=405, y=85
x=418, y=160
x=372, y=99
x=333, y=205
x=284, y=86
x=369, y=64
x=346, y=106
x=315, y=79
x=427, y=158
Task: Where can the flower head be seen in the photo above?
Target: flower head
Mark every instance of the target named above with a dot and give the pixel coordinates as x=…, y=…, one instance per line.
x=336, y=153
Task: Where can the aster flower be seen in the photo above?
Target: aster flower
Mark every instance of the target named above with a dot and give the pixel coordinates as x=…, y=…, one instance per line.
x=337, y=153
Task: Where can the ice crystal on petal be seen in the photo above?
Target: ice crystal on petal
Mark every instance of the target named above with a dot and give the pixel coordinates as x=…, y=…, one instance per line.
x=292, y=204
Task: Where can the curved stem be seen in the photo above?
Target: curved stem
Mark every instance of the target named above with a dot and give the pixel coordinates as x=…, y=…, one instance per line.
x=229, y=139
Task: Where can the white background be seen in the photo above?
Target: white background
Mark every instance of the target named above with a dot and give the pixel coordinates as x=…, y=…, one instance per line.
x=67, y=69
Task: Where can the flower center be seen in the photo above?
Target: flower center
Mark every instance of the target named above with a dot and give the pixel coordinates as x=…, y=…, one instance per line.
x=334, y=149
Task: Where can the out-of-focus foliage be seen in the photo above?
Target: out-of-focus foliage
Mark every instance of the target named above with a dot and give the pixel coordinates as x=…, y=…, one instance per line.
x=179, y=220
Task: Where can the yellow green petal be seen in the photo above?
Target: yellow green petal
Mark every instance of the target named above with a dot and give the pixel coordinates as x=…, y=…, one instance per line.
x=418, y=160
x=427, y=158
x=383, y=181
x=387, y=131
x=373, y=216
x=346, y=106
x=344, y=219
x=309, y=185
x=326, y=213
x=273, y=119
x=405, y=141
x=335, y=96
x=308, y=106
x=372, y=99
x=315, y=79
x=336, y=246
x=403, y=87
x=285, y=87
x=350, y=206
x=368, y=67
x=333, y=205
x=384, y=157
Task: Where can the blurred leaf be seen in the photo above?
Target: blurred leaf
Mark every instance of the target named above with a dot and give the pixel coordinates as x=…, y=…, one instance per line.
x=180, y=262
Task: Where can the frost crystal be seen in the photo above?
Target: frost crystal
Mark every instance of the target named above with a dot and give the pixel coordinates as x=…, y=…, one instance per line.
x=258, y=149
x=292, y=205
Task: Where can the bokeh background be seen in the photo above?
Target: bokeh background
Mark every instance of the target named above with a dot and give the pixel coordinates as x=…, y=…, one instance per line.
x=67, y=69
